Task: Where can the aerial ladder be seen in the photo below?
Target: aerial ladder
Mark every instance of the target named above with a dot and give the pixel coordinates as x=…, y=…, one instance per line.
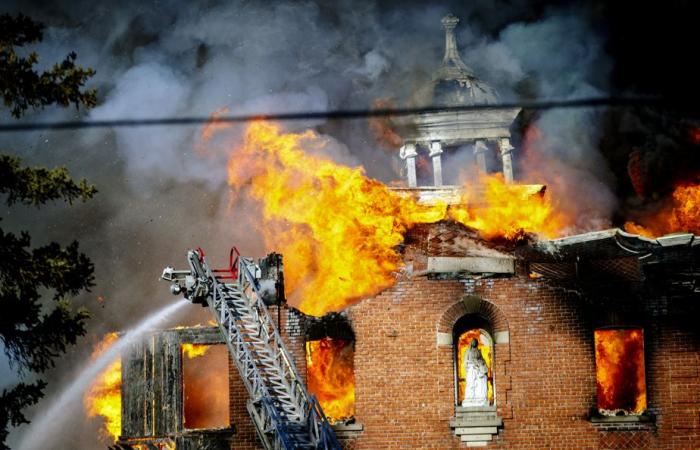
x=285, y=415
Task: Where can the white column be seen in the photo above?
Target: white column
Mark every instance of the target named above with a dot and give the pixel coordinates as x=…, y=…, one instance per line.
x=480, y=150
x=408, y=152
x=507, y=158
x=435, y=152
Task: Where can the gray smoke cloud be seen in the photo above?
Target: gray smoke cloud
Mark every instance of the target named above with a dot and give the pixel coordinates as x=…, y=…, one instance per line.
x=558, y=57
x=159, y=195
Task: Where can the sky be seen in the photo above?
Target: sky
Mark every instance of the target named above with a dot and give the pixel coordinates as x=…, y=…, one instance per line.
x=158, y=195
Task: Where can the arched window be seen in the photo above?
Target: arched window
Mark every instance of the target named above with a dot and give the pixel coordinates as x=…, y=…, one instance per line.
x=474, y=358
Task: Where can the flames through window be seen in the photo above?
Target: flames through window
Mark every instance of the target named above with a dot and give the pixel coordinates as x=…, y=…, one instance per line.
x=620, y=380
x=330, y=358
x=205, y=389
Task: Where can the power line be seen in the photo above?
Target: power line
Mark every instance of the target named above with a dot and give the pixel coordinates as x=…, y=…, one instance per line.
x=335, y=114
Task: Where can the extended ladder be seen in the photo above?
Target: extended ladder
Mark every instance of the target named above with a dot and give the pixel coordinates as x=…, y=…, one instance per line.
x=284, y=414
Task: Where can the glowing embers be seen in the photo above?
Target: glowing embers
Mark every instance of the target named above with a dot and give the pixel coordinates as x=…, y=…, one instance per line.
x=619, y=358
x=205, y=389
x=485, y=347
x=331, y=376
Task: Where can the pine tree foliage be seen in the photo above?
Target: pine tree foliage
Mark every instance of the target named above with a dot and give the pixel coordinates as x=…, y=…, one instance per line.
x=37, y=321
x=22, y=86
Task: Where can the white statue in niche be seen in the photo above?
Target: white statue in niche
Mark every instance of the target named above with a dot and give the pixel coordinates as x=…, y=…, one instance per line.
x=476, y=389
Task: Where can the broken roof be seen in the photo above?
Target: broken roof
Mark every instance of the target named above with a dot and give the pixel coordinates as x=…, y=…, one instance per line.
x=612, y=243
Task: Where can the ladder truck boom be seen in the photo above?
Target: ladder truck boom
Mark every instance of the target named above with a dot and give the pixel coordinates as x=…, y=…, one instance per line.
x=285, y=415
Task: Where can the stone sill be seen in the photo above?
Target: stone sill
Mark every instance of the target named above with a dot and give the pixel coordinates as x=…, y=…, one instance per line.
x=347, y=431
x=603, y=420
x=468, y=409
x=643, y=422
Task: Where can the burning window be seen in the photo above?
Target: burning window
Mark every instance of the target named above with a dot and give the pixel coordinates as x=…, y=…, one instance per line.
x=484, y=344
x=205, y=388
x=331, y=376
x=619, y=358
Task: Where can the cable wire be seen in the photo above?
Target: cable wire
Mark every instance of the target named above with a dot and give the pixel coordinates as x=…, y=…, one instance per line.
x=334, y=114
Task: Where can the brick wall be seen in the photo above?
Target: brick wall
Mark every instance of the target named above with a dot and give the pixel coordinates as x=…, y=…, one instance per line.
x=246, y=437
x=544, y=371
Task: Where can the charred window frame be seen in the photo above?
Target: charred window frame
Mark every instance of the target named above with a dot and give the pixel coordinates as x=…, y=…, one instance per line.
x=462, y=326
x=620, y=371
x=152, y=399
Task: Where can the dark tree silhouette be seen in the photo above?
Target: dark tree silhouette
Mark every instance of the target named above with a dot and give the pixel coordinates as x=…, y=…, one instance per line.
x=37, y=322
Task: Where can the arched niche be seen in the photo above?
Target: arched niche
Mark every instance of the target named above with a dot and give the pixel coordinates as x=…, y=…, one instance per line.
x=466, y=330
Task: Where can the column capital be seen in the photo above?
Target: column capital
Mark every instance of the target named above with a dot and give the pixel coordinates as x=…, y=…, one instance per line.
x=408, y=151
x=435, y=148
x=505, y=146
x=480, y=147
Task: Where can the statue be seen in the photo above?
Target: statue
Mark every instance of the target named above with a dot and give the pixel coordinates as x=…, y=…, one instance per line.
x=476, y=387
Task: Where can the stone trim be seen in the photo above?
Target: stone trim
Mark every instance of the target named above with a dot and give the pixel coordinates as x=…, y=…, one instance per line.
x=643, y=422
x=471, y=304
x=345, y=431
x=476, y=426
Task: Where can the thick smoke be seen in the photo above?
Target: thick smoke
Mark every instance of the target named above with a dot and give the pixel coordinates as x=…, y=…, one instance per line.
x=159, y=195
x=557, y=57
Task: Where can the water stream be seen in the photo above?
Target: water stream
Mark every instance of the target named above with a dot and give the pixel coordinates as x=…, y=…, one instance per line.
x=50, y=419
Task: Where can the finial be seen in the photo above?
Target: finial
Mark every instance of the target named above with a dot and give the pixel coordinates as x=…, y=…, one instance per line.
x=450, y=21
x=451, y=58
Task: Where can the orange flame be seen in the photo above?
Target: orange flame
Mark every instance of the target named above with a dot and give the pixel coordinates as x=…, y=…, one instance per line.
x=337, y=228
x=163, y=445
x=682, y=215
x=621, y=385
x=103, y=398
x=331, y=377
x=507, y=211
x=194, y=350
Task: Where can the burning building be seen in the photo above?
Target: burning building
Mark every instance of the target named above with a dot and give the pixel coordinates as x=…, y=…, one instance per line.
x=472, y=336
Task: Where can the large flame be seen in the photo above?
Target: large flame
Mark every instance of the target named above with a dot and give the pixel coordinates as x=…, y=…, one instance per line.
x=621, y=385
x=499, y=210
x=331, y=377
x=205, y=388
x=339, y=230
x=681, y=214
x=103, y=398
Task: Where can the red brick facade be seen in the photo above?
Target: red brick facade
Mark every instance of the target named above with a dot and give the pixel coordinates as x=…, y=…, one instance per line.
x=544, y=376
